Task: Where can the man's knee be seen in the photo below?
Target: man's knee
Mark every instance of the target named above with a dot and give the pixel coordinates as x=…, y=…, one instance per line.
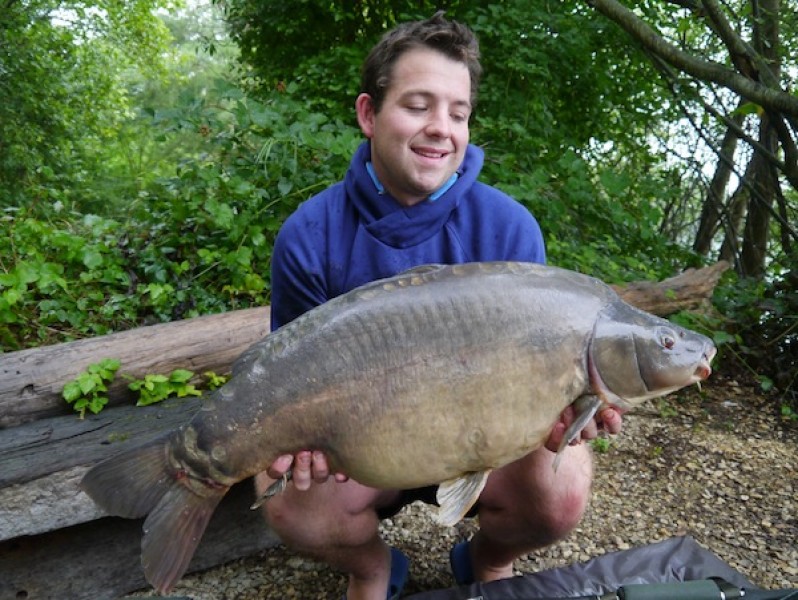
x=557, y=520
x=535, y=506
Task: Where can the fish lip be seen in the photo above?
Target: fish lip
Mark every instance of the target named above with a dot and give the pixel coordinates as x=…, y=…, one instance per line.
x=702, y=371
x=704, y=368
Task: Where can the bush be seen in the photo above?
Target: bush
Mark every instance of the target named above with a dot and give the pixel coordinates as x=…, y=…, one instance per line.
x=194, y=243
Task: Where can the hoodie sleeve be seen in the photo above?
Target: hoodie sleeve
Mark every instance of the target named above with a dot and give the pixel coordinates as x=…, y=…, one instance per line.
x=297, y=272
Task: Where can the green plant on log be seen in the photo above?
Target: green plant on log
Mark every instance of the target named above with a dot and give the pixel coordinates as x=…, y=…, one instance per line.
x=88, y=390
x=214, y=380
x=156, y=388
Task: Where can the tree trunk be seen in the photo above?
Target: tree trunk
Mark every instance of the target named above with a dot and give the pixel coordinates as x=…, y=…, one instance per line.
x=735, y=216
x=757, y=224
x=713, y=209
x=755, y=242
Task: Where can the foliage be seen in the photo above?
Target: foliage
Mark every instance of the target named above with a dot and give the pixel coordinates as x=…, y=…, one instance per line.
x=61, y=63
x=214, y=380
x=156, y=388
x=730, y=68
x=198, y=242
x=754, y=326
x=762, y=317
x=275, y=42
x=65, y=276
x=212, y=224
x=89, y=388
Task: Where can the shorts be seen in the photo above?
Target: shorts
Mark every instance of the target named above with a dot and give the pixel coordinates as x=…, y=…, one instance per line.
x=426, y=494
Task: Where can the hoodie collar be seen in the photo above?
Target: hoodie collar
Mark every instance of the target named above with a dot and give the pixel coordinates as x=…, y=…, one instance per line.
x=432, y=197
x=399, y=226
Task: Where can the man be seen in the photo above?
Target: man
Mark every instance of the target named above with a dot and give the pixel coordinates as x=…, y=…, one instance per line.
x=411, y=197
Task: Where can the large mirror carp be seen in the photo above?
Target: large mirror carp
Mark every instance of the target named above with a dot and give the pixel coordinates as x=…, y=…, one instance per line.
x=436, y=375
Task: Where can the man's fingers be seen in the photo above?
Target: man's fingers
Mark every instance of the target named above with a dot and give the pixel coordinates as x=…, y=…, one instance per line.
x=319, y=467
x=612, y=420
x=556, y=435
x=589, y=432
x=306, y=468
x=300, y=474
x=280, y=465
x=609, y=419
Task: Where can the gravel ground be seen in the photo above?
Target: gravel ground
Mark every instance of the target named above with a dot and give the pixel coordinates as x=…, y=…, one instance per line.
x=719, y=465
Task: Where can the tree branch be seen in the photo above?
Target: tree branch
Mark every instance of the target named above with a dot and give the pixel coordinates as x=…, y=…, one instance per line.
x=761, y=152
x=790, y=165
x=749, y=62
x=772, y=99
x=730, y=122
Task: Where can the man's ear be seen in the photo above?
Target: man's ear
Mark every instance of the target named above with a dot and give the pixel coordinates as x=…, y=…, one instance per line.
x=364, y=106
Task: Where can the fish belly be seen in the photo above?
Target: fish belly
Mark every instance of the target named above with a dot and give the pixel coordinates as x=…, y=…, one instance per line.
x=406, y=385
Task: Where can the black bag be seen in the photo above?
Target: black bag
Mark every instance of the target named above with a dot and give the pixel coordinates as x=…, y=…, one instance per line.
x=675, y=569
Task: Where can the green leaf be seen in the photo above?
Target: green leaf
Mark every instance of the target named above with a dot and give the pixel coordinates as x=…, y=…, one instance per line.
x=97, y=403
x=722, y=337
x=91, y=258
x=72, y=391
x=748, y=108
x=284, y=186
x=180, y=376
x=86, y=383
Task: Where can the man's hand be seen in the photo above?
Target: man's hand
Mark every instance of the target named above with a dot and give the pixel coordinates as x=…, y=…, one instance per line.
x=307, y=467
x=609, y=419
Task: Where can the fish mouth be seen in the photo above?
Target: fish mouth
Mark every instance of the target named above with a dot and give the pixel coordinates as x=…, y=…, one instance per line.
x=704, y=370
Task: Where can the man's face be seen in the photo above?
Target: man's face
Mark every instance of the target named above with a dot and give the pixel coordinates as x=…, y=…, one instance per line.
x=419, y=136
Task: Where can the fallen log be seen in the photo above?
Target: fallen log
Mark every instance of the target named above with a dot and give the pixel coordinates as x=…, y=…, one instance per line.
x=100, y=560
x=690, y=290
x=31, y=381
x=44, y=461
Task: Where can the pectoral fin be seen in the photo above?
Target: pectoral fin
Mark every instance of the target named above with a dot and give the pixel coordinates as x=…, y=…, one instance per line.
x=586, y=407
x=456, y=496
x=276, y=488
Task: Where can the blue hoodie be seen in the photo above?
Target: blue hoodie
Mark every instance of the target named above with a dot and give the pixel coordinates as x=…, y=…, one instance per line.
x=352, y=233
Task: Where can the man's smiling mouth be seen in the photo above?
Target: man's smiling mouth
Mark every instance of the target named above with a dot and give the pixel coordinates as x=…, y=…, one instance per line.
x=430, y=153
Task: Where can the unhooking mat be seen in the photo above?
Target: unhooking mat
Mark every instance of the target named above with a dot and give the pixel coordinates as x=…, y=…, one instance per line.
x=646, y=573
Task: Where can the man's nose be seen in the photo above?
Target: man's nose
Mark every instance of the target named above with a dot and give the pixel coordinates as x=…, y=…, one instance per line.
x=439, y=124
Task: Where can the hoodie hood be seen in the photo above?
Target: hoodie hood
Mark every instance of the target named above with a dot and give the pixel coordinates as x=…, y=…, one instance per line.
x=399, y=226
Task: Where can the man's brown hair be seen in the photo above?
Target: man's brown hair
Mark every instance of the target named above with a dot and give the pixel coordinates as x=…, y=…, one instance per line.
x=450, y=38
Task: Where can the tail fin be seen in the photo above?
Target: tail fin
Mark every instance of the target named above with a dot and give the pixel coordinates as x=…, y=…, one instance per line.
x=130, y=484
x=173, y=531
x=142, y=482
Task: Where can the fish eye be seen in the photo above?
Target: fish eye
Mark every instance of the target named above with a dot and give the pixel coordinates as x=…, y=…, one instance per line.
x=667, y=338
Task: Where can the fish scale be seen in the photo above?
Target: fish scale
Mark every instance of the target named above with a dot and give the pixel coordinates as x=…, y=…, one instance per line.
x=435, y=376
